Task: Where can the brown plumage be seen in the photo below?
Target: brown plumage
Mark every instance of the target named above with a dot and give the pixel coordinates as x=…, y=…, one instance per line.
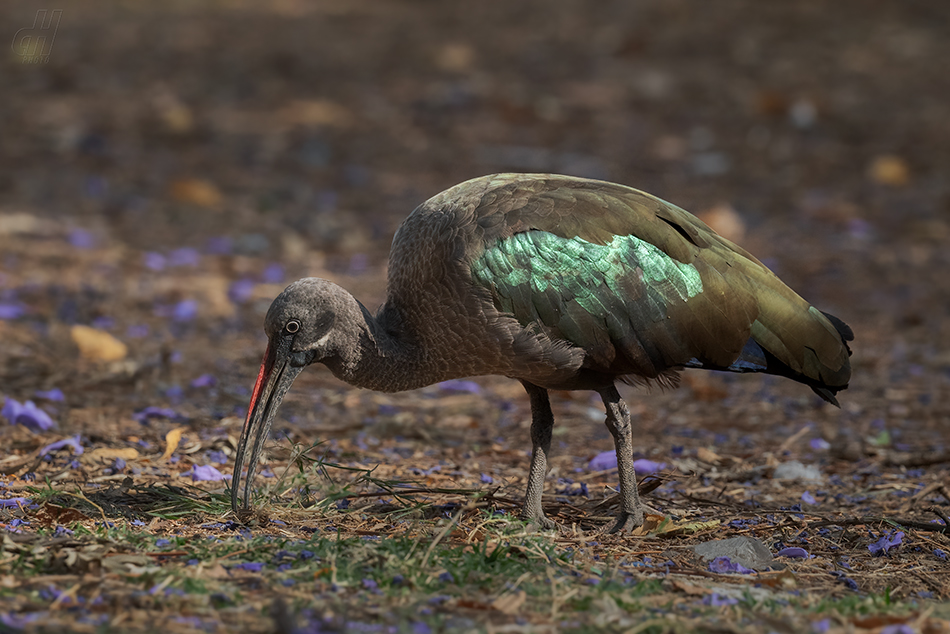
x=562, y=283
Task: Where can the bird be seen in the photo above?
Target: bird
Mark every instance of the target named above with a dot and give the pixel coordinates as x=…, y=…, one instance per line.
x=561, y=283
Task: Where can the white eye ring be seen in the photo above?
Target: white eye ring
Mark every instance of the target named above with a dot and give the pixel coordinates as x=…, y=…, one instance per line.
x=292, y=326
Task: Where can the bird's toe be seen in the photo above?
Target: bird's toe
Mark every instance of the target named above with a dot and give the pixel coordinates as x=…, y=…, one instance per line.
x=627, y=522
x=539, y=522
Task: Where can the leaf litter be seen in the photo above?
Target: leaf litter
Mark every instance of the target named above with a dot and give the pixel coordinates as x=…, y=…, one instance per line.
x=133, y=326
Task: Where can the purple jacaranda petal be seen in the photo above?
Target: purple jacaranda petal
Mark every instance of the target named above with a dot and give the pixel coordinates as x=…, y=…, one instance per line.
x=273, y=274
x=148, y=413
x=82, y=239
x=359, y=263
x=217, y=456
x=185, y=256
x=421, y=627
x=185, y=310
x=11, y=310
x=103, y=322
x=897, y=628
x=174, y=393
x=646, y=467
x=204, y=473
x=26, y=414
x=18, y=622
x=241, y=291
x=717, y=600
x=487, y=479
x=137, y=331
x=62, y=444
x=819, y=444
x=14, y=503
x=808, y=498
x=118, y=466
x=822, y=626
x=205, y=380
x=603, y=461
x=459, y=385
x=793, y=552
x=55, y=394
x=939, y=552
x=251, y=566
x=154, y=261
x=724, y=565
x=219, y=245
x=370, y=584
x=889, y=540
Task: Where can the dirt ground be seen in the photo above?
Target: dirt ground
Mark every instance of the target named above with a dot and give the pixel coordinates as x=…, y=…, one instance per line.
x=169, y=167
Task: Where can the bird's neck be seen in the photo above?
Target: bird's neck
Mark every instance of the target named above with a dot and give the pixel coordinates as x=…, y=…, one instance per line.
x=378, y=352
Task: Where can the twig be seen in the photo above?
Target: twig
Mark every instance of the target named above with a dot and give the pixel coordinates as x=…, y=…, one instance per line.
x=858, y=521
x=939, y=513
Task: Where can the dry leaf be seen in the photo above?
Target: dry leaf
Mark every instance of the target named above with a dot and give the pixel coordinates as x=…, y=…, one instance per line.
x=510, y=602
x=109, y=453
x=135, y=565
x=172, y=439
x=708, y=456
x=650, y=524
x=725, y=221
x=197, y=192
x=51, y=514
x=97, y=345
x=316, y=112
x=455, y=57
x=685, y=528
x=690, y=588
x=890, y=170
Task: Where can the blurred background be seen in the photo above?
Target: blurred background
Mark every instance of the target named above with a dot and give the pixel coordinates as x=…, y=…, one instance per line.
x=166, y=168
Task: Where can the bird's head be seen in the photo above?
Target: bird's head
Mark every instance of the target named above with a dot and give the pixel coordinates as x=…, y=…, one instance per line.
x=300, y=330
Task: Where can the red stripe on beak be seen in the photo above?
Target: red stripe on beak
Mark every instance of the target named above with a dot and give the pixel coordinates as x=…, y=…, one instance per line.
x=267, y=365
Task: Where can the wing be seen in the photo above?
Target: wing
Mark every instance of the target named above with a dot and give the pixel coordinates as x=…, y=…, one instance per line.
x=635, y=280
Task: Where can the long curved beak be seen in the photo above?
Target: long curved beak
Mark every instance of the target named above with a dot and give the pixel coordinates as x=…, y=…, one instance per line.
x=276, y=375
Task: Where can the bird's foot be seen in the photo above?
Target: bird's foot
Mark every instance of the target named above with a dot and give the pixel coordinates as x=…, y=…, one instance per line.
x=627, y=521
x=538, y=521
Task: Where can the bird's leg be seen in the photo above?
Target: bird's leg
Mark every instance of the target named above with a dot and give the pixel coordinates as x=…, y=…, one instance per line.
x=618, y=422
x=542, y=424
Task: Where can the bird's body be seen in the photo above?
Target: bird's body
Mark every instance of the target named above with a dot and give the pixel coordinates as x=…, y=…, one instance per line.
x=561, y=283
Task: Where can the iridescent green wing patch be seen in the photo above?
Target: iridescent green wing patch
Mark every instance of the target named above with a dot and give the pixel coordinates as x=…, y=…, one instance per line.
x=599, y=297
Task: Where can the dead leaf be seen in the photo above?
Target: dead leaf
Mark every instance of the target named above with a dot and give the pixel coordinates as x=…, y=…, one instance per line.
x=725, y=221
x=510, y=602
x=890, y=170
x=51, y=514
x=172, y=439
x=685, y=528
x=708, y=456
x=196, y=191
x=317, y=112
x=109, y=453
x=97, y=345
x=135, y=565
x=650, y=524
x=455, y=57
x=690, y=588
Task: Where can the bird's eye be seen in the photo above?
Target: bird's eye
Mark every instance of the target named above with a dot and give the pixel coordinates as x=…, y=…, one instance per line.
x=292, y=326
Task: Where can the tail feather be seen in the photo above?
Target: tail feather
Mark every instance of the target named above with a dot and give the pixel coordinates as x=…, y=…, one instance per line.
x=825, y=381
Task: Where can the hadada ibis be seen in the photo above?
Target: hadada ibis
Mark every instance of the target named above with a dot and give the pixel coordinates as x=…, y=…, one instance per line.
x=561, y=283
